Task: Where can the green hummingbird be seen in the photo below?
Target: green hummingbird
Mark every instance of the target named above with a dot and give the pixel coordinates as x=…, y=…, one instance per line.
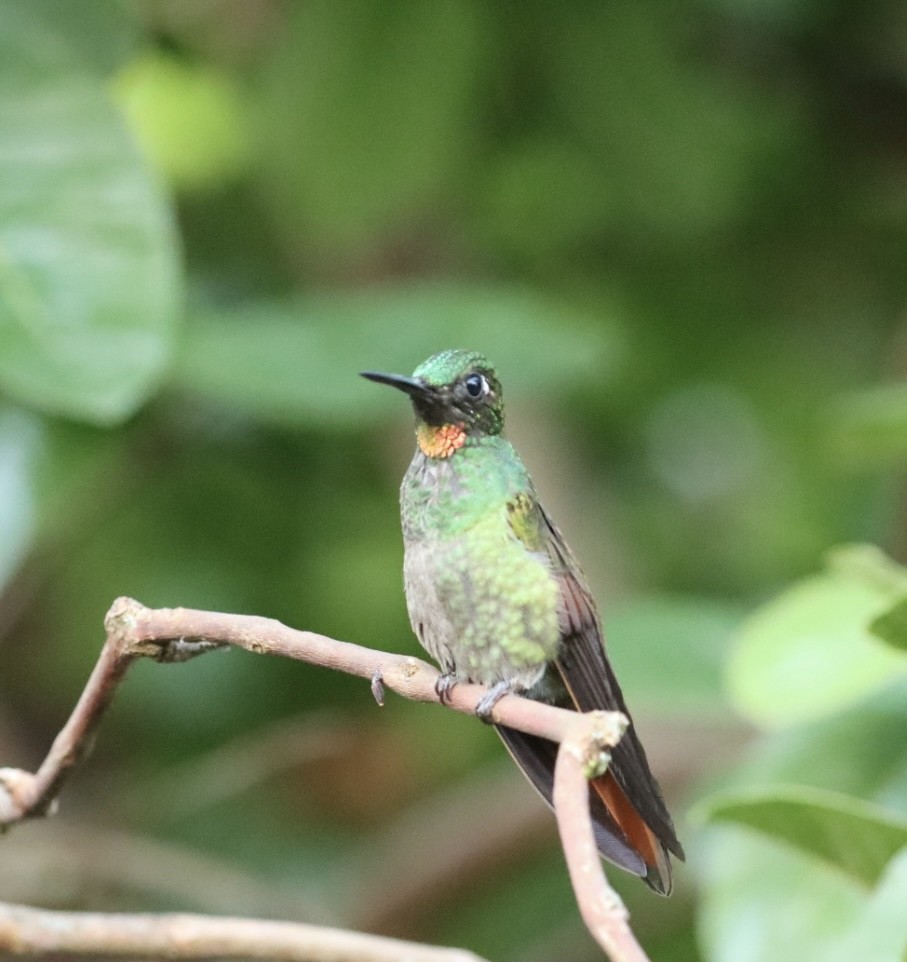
x=496, y=597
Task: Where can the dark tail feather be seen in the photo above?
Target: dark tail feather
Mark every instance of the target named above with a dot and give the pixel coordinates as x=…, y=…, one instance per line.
x=620, y=832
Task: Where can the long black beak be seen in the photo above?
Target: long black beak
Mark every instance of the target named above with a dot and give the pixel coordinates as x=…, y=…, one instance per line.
x=410, y=385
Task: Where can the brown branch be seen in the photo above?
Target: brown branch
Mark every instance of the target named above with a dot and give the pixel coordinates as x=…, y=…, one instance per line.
x=600, y=906
x=39, y=932
x=175, y=634
x=23, y=795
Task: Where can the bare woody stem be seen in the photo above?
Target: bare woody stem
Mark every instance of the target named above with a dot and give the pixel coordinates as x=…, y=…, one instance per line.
x=600, y=906
x=176, y=634
x=27, y=931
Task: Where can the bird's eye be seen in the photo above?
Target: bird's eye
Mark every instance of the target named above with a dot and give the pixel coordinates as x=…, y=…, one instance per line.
x=476, y=385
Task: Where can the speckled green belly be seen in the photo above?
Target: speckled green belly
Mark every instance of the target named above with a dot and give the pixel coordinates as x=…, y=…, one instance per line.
x=481, y=604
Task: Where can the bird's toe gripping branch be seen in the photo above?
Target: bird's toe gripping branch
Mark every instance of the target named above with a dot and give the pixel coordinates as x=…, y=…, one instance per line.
x=494, y=694
x=444, y=686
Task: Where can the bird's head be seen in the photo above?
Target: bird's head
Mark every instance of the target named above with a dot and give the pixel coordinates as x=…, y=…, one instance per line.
x=456, y=392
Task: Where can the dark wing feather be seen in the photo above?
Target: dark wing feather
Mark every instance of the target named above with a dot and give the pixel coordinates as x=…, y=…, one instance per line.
x=632, y=826
x=588, y=676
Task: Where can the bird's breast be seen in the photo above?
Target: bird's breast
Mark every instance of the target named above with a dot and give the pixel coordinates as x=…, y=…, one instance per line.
x=481, y=604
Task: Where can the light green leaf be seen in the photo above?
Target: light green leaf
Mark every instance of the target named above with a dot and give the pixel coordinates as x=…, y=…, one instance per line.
x=297, y=363
x=858, y=752
x=764, y=898
x=89, y=267
x=880, y=933
x=189, y=118
x=858, y=837
x=765, y=902
x=810, y=652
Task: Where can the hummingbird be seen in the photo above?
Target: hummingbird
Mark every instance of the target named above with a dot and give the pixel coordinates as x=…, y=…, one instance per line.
x=496, y=597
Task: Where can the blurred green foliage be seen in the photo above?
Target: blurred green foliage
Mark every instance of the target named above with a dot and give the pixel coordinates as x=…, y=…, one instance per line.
x=679, y=232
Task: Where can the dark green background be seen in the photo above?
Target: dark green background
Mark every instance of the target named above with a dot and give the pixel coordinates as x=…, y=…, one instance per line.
x=680, y=233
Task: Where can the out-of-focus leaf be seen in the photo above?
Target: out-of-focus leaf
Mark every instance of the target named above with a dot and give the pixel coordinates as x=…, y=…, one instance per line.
x=188, y=118
x=809, y=652
x=21, y=438
x=763, y=901
x=54, y=477
x=762, y=898
x=101, y=34
x=868, y=565
x=669, y=652
x=880, y=933
x=871, y=566
x=89, y=268
x=858, y=752
x=868, y=428
x=298, y=363
x=856, y=836
x=891, y=625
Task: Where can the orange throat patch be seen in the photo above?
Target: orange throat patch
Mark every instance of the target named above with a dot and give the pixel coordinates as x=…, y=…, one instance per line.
x=440, y=442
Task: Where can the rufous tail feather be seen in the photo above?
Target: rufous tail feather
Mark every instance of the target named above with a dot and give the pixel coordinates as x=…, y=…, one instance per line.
x=640, y=837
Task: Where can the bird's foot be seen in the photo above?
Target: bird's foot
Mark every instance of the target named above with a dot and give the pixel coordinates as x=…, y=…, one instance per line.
x=444, y=686
x=491, y=698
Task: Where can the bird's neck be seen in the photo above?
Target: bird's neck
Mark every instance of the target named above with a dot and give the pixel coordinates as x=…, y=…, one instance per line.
x=440, y=441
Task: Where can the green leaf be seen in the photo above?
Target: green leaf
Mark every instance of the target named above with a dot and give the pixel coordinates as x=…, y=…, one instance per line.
x=89, y=266
x=891, y=625
x=189, y=119
x=880, y=933
x=868, y=565
x=767, y=898
x=858, y=837
x=297, y=363
x=21, y=440
x=809, y=652
x=101, y=34
x=857, y=752
x=765, y=902
x=668, y=652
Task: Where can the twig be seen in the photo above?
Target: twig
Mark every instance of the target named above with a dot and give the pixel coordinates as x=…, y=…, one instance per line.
x=174, y=634
x=41, y=932
x=600, y=906
x=23, y=795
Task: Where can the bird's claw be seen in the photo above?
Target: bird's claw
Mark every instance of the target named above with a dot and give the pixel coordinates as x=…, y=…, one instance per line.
x=444, y=686
x=491, y=697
